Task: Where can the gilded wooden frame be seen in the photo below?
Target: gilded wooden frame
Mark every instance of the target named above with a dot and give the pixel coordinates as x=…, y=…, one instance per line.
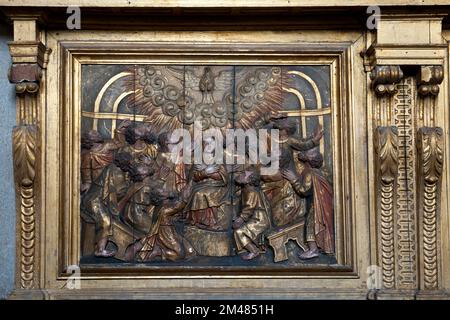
x=61, y=235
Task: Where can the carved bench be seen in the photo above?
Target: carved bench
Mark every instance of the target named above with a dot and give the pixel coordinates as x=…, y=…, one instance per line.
x=122, y=237
x=279, y=238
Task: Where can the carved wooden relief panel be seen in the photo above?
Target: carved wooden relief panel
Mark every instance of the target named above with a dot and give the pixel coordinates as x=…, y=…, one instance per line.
x=288, y=162
x=139, y=204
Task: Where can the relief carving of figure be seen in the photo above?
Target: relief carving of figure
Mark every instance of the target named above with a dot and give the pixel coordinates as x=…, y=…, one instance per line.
x=149, y=206
x=287, y=206
x=96, y=154
x=311, y=184
x=163, y=240
x=254, y=217
x=101, y=202
x=209, y=192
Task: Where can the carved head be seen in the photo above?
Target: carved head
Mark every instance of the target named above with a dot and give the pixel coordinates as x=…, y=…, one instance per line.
x=139, y=172
x=250, y=177
x=89, y=138
x=311, y=156
x=285, y=124
x=137, y=132
x=123, y=160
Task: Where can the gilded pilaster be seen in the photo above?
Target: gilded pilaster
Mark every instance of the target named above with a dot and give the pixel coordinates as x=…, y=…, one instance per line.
x=28, y=61
x=408, y=102
x=430, y=146
x=387, y=168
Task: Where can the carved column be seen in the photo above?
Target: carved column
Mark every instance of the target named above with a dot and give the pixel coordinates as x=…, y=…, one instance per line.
x=28, y=61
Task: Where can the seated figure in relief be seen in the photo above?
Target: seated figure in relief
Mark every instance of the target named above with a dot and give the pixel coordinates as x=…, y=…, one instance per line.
x=254, y=217
x=209, y=192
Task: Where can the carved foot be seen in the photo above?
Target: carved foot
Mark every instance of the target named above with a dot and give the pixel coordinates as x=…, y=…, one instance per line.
x=104, y=253
x=249, y=255
x=310, y=254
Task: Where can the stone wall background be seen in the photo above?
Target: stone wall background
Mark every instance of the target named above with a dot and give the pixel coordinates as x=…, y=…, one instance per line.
x=7, y=200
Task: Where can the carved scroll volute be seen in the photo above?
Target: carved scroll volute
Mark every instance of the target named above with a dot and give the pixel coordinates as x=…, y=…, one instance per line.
x=386, y=143
x=430, y=150
x=429, y=79
x=384, y=79
x=383, y=82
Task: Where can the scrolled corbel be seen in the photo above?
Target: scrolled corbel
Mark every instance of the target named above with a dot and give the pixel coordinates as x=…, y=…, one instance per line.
x=429, y=79
x=384, y=79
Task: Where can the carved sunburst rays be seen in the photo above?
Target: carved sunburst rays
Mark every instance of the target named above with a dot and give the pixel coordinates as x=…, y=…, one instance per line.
x=258, y=92
x=157, y=95
x=217, y=96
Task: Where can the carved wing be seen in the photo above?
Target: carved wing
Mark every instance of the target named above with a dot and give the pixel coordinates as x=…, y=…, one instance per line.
x=192, y=80
x=158, y=94
x=161, y=96
x=258, y=92
x=187, y=75
x=223, y=80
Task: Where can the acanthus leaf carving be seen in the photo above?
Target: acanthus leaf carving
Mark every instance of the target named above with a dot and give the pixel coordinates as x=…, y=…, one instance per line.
x=430, y=150
x=25, y=148
x=387, y=149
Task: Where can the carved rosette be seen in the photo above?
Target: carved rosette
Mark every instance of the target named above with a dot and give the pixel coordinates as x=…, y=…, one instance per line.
x=430, y=150
x=386, y=144
x=24, y=142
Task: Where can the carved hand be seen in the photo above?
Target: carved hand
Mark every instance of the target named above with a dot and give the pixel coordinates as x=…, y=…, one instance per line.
x=289, y=175
x=238, y=223
x=318, y=134
x=124, y=124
